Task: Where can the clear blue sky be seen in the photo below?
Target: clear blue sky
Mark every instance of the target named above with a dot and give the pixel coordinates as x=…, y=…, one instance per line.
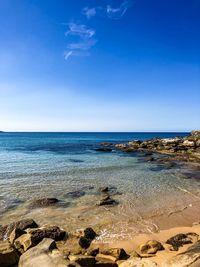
x=99, y=65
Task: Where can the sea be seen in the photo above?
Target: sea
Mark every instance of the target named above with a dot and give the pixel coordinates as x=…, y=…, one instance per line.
x=66, y=166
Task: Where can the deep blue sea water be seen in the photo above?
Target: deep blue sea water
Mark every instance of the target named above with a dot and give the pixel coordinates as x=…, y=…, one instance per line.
x=34, y=165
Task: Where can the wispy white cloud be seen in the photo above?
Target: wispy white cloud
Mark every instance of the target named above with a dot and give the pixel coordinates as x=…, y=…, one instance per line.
x=89, y=12
x=111, y=12
x=118, y=12
x=80, y=30
x=84, y=43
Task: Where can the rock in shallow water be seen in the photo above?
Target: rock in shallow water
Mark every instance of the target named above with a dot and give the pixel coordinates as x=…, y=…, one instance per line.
x=75, y=194
x=107, y=201
x=43, y=202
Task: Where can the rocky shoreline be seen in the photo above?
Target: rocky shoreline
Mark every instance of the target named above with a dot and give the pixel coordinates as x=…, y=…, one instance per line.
x=185, y=149
x=25, y=244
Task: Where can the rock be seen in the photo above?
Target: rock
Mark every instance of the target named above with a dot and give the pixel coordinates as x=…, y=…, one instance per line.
x=121, y=146
x=107, y=201
x=187, y=258
x=6, y=230
x=92, y=252
x=15, y=234
x=181, y=239
x=195, y=133
x=24, y=242
x=89, y=233
x=137, y=262
x=117, y=253
x=104, y=149
x=106, y=264
x=107, y=258
x=103, y=189
x=151, y=247
x=82, y=260
x=189, y=143
x=84, y=242
x=8, y=255
x=45, y=254
x=106, y=144
x=34, y=236
x=43, y=202
x=149, y=159
x=75, y=194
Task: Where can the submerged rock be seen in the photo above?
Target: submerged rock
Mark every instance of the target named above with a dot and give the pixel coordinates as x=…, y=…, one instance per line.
x=107, y=201
x=44, y=202
x=75, y=194
x=6, y=230
x=8, y=255
x=104, y=149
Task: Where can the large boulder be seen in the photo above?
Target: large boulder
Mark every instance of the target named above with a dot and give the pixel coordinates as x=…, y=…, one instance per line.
x=6, y=230
x=8, y=255
x=187, y=258
x=45, y=254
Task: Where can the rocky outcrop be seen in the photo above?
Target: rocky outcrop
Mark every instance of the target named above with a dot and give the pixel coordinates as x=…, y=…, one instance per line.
x=181, y=148
x=8, y=255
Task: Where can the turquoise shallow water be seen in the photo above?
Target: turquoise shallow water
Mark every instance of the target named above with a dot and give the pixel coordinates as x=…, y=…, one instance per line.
x=34, y=165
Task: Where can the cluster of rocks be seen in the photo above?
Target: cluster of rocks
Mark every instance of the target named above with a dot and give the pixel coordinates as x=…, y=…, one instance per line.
x=25, y=244
x=106, y=193
x=182, y=148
